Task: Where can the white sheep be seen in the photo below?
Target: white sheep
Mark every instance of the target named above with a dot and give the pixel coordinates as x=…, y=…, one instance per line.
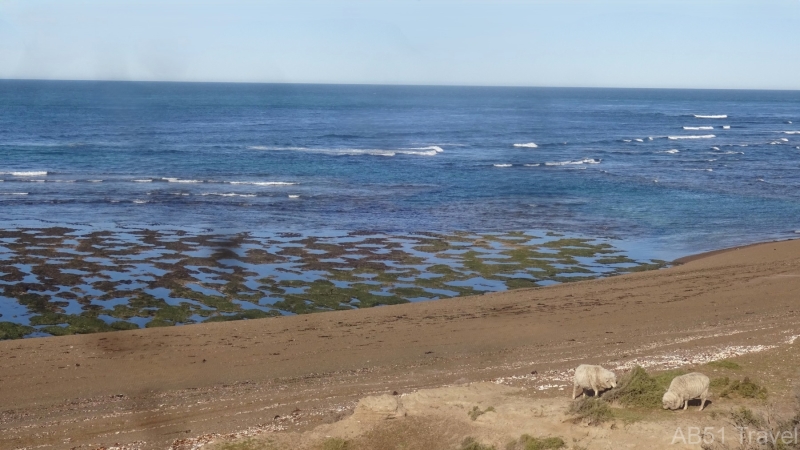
x=684, y=388
x=595, y=378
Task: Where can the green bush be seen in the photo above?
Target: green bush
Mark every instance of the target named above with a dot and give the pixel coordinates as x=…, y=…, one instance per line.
x=638, y=389
x=592, y=410
x=745, y=389
x=471, y=444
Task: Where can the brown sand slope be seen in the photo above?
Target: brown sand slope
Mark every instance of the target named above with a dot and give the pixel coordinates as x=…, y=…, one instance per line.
x=156, y=386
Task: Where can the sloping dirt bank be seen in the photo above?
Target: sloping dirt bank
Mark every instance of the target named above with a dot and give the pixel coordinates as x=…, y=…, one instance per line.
x=155, y=387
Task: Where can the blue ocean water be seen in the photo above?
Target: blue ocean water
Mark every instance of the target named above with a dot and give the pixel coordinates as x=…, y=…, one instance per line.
x=668, y=171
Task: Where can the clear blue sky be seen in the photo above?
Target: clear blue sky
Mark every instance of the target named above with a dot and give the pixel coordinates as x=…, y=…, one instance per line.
x=634, y=43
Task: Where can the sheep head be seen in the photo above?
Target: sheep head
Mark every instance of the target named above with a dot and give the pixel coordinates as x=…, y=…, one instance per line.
x=671, y=400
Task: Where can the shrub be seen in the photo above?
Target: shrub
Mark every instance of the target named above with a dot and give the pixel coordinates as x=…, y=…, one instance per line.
x=476, y=412
x=592, y=410
x=745, y=389
x=725, y=364
x=527, y=442
x=638, y=389
x=471, y=444
x=335, y=444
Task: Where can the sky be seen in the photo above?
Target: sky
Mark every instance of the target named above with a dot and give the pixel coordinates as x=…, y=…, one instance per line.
x=752, y=44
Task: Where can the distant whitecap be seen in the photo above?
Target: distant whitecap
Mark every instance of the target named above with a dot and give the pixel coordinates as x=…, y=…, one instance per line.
x=32, y=173
x=528, y=145
x=698, y=128
x=502, y=165
x=704, y=136
x=711, y=116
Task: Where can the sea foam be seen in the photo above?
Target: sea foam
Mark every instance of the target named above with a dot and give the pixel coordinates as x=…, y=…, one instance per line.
x=698, y=128
x=567, y=163
x=218, y=194
x=265, y=183
x=528, y=145
x=704, y=136
x=502, y=165
x=673, y=151
x=712, y=116
x=32, y=173
x=178, y=180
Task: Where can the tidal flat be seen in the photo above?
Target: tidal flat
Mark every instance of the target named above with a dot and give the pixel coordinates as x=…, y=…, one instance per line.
x=58, y=280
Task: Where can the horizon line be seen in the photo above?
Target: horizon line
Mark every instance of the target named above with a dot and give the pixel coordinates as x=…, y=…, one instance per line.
x=80, y=80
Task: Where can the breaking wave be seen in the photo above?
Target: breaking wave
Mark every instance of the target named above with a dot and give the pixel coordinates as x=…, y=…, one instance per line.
x=431, y=150
x=219, y=194
x=567, y=163
x=528, y=145
x=264, y=183
x=698, y=128
x=712, y=116
x=704, y=136
x=502, y=165
x=32, y=173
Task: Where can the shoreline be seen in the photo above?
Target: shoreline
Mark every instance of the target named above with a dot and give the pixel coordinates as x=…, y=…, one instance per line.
x=159, y=386
x=697, y=256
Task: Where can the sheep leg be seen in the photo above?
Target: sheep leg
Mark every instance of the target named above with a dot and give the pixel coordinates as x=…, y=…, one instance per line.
x=596, y=392
x=703, y=398
x=685, y=405
x=574, y=390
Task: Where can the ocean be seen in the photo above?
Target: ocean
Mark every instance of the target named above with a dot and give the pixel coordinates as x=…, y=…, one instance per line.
x=658, y=173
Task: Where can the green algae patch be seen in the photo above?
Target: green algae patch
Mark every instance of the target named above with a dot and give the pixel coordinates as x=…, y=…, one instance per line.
x=74, y=324
x=10, y=330
x=172, y=277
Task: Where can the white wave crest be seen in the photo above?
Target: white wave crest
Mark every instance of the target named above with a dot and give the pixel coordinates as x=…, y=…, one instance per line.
x=435, y=148
x=265, y=183
x=294, y=196
x=791, y=132
x=726, y=127
x=532, y=165
x=672, y=152
x=218, y=194
x=528, y=145
x=94, y=181
x=639, y=140
x=704, y=136
x=13, y=193
x=178, y=180
x=143, y=181
x=698, y=128
x=432, y=150
x=502, y=165
x=139, y=202
x=712, y=116
x=32, y=173
x=567, y=163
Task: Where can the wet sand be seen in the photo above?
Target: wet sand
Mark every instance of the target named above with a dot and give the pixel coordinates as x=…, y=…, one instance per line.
x=162, y=387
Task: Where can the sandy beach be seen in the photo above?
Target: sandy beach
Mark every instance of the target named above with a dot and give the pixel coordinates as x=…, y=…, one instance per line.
x=181, y=386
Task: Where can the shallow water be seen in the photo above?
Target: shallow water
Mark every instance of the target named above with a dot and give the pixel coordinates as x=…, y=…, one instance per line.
x=402, y=159
x=361, y=171
x=161, y=278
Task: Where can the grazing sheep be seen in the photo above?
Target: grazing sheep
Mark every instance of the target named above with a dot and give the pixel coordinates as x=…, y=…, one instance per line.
x=595, y=378
x=684, y=388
